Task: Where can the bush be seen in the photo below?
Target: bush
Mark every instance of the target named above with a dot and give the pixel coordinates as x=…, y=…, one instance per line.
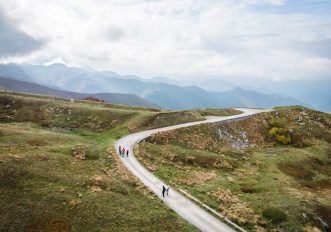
x=300, y=139
x=278, y=122
x=247, y=188
x=86, y=152
x=205, y=161
x=280, y=135
x=283, y=139
x=90, y=98
x=92, y=152
x=274, y=215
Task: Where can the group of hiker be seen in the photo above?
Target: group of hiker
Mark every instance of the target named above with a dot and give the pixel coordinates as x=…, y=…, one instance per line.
x=123, y=151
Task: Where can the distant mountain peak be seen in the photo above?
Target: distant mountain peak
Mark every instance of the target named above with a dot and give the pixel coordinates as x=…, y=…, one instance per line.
x=238, y=89
x=57, y=64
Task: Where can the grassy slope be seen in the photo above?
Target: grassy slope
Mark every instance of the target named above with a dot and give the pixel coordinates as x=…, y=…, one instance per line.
x=43, y=187
x=164, y=119
x=243, y=171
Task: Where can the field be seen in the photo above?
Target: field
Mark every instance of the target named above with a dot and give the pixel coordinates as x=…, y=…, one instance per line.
x=268, y=172
x=59, y=171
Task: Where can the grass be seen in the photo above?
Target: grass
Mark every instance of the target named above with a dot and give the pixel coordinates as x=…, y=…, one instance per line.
x=164, y=119
x=43, y=187
x=242, y=182
x=85, y=102
x=216, y=112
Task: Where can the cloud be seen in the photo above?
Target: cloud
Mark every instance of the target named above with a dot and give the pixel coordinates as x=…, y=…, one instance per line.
x=14, y=42
x=181, y=39
x=115, y=33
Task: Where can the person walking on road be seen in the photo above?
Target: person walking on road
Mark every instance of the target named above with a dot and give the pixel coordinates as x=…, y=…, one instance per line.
x=123, y=151
x=163, y=190
x=167, y=190
x=127, y=153
x=120, y=149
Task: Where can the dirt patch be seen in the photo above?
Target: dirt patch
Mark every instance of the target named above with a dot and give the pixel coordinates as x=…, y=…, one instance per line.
x=198, y=177
x=97, y=183
x=86, y=152
x=50, y=225
x=247, y=188
x=296, y=170
x=34, y=142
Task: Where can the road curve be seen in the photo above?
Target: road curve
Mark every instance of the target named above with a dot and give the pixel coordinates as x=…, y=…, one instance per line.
x=176, y=201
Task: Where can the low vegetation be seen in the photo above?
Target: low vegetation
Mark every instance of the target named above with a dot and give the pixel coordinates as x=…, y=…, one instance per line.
x=90, y=98
x=60, y=114
x=58, y=171
x=274, y=215
x=177, y=117
x=268, y=172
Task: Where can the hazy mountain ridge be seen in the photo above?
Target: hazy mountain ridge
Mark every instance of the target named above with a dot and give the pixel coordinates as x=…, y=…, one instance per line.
x=315, y=92
x=166, y=95
x=115, y=98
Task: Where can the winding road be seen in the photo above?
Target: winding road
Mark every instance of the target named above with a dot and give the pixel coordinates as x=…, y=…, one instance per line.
x=188, y=210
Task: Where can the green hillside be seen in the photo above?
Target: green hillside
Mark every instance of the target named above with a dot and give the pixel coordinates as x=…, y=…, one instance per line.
x=59, y=172
x=271, y=171
x=57, y=175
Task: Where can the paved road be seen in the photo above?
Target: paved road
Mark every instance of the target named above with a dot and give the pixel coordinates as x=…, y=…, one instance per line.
x=176, y=201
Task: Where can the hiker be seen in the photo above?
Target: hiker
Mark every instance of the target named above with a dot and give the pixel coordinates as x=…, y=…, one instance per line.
x=127, y=153
x=123, y=151
x=120, y=149
x=163, y=190
x=167, y=190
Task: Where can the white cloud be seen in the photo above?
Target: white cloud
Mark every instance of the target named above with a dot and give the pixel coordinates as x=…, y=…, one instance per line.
x=179, y=39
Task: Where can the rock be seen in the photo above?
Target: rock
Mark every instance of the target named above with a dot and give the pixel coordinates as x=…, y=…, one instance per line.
x=96, y=189
x=79, y=153
x=74, y=202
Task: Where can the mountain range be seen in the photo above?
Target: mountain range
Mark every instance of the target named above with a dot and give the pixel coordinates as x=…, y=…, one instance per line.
x=314, y=92
x=114, y=98
x=159, y=91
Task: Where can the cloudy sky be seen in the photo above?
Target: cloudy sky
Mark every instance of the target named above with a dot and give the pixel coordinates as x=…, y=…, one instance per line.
x=183, y=39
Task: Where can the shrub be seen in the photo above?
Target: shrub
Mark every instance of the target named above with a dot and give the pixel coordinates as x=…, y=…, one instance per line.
x=90, y=98
x=86, y=152
x=205, y=161
x=280, y=135
x=92, y=152
x=299, y=139
x=283, y=139
x=278, y=122
x=247, y=188
x=275, y=215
